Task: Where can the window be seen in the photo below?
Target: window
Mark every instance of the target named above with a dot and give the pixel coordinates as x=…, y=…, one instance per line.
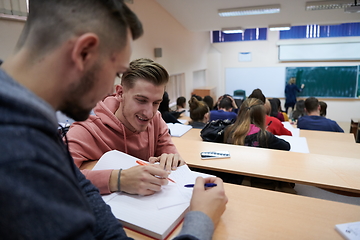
x=317, y=31
x=175, y=88
x=253, y=34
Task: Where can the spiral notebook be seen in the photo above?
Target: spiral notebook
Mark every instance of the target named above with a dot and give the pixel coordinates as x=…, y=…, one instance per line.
x=155, y=215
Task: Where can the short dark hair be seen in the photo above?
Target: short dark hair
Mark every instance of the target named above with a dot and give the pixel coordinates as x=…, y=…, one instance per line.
x=225, y=103
x=147, y=70
x=180, y=101
x=51, y=22
x=311, y=104
x=257, y=93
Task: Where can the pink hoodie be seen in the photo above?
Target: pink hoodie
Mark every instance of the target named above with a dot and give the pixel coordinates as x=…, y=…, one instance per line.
x=103, y=132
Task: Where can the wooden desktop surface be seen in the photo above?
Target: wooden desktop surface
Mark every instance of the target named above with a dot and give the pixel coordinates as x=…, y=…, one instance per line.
x=338, y=173
x=333, y=136
x=253, y=213
x=319, y=142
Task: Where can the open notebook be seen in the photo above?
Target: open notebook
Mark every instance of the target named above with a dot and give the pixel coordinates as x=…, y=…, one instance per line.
x=155, y=215
x=177, y=129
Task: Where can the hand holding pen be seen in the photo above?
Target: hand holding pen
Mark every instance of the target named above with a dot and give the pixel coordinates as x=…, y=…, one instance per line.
x=212, y=200
x=145, y=164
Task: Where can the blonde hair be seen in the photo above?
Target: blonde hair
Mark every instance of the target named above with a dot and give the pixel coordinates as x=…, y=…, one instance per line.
x=198, y=109
x=252, y=111
x=146, y=69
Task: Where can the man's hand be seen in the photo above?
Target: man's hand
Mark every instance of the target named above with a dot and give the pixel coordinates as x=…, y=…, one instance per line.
x=233, y=103
x=211, y=201
x=168, y=161
x=302, y=85
x=142, y=180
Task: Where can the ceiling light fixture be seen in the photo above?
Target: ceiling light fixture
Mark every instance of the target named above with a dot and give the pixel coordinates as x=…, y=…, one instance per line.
x=232, y=30
x=280, y=27
x=327, y=5
x=243, y=11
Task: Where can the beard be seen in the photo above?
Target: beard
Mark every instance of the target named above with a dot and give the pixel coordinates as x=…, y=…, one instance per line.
x=73, y=103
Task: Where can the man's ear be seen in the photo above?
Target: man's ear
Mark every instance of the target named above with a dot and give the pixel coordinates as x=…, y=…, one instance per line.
x=119, y=92
x=85, y=51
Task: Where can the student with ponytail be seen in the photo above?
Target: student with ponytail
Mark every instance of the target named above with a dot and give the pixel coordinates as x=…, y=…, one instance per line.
x=199, y=113
x=249, y=128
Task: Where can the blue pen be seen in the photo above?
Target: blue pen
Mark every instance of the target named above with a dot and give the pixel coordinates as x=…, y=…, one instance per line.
x=206, y=185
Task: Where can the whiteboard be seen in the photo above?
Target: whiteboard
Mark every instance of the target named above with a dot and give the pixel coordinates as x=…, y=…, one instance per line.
x=317, y=52
x=271, y=80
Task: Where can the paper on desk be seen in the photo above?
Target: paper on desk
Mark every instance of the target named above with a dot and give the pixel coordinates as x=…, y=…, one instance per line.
x=170, y=195
x=294, y=131
x=183, y=121
x=297, y=144
x=177, y=129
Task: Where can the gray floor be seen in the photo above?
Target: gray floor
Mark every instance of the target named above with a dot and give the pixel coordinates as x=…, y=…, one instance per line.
x=310, y=191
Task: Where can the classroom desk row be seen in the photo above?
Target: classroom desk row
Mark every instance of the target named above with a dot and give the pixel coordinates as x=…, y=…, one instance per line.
x=319, y=142
x=332, y=172
x=253, y=213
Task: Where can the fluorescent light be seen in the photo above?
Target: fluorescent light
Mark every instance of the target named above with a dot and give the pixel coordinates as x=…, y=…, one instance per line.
x=280, y=27
x=232, y=30
x=243, y=11
x=352, y=9
x=326, y=5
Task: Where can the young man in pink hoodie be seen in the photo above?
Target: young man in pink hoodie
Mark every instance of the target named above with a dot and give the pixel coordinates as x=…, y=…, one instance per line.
x=128, y=121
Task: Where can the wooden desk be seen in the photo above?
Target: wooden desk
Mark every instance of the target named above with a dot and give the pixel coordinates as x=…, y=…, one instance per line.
x=325, y=171
x=328, y=136
x=325, y=143
x=261, y=214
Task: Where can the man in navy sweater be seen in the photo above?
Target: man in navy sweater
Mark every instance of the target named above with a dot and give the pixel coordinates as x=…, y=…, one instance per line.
x=313, y=120
x=66, y=59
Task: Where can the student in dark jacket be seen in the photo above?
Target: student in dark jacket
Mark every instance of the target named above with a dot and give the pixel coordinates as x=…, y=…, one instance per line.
x=167, y=115
x=249, y=128
x=313, y=120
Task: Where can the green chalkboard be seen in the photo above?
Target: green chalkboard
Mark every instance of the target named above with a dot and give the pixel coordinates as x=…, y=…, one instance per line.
x=326, y=81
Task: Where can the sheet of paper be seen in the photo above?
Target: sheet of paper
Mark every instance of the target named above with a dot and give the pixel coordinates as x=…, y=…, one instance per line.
x=183, y=121
x=177, y=129
x=171, y=194
x=154, y=215
x=298, y=144
x=294, y=131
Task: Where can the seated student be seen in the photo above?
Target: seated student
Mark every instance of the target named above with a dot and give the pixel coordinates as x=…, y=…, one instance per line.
x=275, y=111
x=209, y=101
x=278, y=103
x=129, y=122
x=199, y=113
x=225, y=110
x=235, y=107
x=273, y=124
x=181, y=104
x=166, y=114
x=299, y=110
x=313, y=120
x=249, y=128
x=323, y=107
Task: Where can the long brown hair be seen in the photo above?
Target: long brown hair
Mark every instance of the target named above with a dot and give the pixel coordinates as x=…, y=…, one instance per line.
x=252, y=111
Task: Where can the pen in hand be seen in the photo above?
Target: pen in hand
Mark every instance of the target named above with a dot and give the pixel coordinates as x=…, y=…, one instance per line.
x=144, y=164
x=205, y=185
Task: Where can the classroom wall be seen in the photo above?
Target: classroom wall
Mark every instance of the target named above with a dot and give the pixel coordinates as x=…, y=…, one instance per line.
x=183, y=51
x=10, y=31
x=265, y=54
